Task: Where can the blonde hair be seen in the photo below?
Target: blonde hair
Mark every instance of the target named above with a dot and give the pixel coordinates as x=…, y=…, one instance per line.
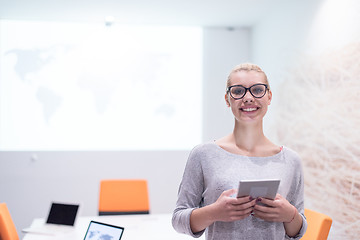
x=246, y=67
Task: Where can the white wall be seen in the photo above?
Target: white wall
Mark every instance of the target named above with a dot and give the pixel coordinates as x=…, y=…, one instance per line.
x=224, y=49
x=29, y=181
x=277, y=42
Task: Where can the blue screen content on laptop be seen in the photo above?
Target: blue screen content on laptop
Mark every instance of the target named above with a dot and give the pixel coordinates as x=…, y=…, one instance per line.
x=103, y=231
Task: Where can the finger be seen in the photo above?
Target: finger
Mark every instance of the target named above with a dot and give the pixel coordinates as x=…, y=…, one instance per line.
x=229, y=192
x=278, y=196
x=247, y=205
x=264, y=216
x=266, y=201
x=262, y=208
x=242, y=200
x=243, y=213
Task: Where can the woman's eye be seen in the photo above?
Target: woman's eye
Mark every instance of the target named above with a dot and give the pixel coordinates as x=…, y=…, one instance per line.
x=257, y=90
x=238, y=91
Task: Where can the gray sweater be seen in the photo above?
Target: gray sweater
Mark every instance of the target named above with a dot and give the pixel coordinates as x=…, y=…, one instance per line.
x=210, y=170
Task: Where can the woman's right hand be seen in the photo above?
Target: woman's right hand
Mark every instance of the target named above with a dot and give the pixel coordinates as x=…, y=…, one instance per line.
x=229, y=209
x=226, y=209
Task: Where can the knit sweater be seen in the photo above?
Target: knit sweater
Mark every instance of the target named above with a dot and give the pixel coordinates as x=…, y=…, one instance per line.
x=210, y=170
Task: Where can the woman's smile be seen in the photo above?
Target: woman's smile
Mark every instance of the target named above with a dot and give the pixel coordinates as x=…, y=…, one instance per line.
x=249, y=109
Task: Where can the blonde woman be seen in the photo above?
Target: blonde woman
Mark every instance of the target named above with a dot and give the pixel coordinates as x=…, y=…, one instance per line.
x=206, y=198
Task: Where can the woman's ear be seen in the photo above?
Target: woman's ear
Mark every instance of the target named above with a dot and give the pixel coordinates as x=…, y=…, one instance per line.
x=269, y=97
x=227, y=100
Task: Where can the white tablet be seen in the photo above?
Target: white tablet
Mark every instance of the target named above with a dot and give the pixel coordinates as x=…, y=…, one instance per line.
x=266, y=188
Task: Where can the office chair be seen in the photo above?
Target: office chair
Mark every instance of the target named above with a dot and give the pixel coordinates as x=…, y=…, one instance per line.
x=7, y=227
x=319, y=225
x=120, y=197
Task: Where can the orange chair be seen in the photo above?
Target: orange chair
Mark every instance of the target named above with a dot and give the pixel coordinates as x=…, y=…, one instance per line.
x=119, y=197
x=319, y=225
x=7, y=227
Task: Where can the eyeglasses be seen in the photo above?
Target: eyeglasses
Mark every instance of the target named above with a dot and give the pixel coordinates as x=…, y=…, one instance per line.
x=256, y=90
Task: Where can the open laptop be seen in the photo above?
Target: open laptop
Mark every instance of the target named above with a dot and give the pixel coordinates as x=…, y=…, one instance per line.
x=98, y=230
x=61, y=219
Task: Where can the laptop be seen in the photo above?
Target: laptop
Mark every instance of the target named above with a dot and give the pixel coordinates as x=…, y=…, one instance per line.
x=98, y=230
x=61, y=219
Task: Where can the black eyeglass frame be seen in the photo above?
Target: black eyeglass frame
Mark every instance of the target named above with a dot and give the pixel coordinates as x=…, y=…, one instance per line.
x=247, y=89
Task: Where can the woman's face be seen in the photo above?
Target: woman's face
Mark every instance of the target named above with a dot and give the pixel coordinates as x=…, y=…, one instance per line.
x=248, y=108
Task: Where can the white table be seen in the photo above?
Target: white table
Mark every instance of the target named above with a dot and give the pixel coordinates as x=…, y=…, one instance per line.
x=137, y=227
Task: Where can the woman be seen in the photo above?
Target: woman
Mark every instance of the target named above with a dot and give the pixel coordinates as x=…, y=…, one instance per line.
x=206, y=198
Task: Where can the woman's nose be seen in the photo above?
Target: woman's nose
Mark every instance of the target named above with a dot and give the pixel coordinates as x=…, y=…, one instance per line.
x=248, y=97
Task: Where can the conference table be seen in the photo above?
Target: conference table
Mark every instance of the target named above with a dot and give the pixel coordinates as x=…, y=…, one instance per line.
x=137, y=227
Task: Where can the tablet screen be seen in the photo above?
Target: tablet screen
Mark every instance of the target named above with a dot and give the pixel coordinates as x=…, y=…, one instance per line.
x=258, y=188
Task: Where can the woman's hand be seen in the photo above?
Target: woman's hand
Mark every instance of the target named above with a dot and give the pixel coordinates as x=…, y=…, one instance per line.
x=228, y=209
x=277, y=210
x=280, y=210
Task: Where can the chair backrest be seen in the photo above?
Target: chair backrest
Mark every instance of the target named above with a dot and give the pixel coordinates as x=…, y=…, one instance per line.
x=7, y=227
x=121, y=196
x=319, y=225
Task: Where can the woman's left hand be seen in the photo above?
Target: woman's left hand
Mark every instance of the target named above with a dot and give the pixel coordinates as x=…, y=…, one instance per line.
x=277, y=210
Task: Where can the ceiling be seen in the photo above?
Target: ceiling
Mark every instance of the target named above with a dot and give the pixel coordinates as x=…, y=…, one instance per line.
x=229, y=13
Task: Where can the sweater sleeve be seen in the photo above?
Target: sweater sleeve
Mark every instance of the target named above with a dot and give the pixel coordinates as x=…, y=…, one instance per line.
x=296, y=195
x=189, y=195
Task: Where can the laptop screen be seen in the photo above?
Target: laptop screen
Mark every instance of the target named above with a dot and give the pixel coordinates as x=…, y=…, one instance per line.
x=98, y=230
x=64, y=214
